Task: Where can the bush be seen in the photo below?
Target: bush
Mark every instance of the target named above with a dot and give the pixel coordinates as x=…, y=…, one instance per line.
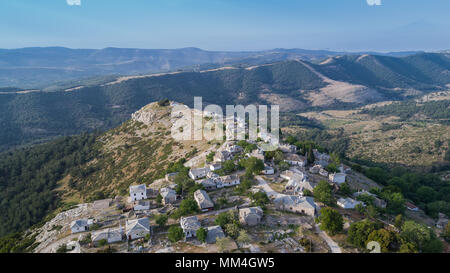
x=331, y=221
x=161, y=219
x=175, y=234
x=201, y=234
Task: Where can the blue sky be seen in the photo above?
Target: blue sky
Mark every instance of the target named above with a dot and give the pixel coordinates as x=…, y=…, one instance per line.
x=348, y=25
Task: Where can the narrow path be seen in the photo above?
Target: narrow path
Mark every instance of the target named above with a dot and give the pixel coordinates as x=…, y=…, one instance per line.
x=332, y=244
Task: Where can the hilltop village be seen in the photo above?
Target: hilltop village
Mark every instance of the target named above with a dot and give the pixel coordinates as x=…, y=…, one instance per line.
x=237, y=198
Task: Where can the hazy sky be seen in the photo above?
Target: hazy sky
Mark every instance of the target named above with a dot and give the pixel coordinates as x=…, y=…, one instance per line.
x=350, y=25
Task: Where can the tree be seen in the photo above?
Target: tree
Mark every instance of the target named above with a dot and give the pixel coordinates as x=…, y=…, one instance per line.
x=398, y=222
x=232, y=229
x=426, y=194
x=383, y=237
x=223, y=244
x=187, y=206
x=243, y=237
x=446, y=233
x=359, y=232
x=62, y=249
x=161, y=219
x=201, y=234
x=253, y=165
x=323, y=193
x=310, y=155
x=345, y=189
x=259, y=199
x=331, y=221
x=175, y=234
x=423, y=238
x=228, y=167
x=395, y=203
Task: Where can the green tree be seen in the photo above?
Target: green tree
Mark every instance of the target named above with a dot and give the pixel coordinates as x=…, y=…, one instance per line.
x=175, y=234
x=383, y=237
x=331, y=221
x=398, y=222
x=423, y=238
x=310, y=155
x=345, y=189
x=161, y=219
x=323, y=193
x=201, y=234
x=360, y=231
x=224, y=244
x=228, y=167
x=243, y=237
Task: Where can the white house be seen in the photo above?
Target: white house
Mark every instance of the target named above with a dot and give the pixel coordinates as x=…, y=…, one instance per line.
x=234, y=149
x=295, y=159
x=337, y=178
x=168, y=195
x=348, y=203
x=198, y=173
x=138, y=192
x=80, y=225
x=190, y=225
x=230, y=180
x=215, y=167
x=204, y=202
x=137, y=228
x=111, y=235
x=411, y=207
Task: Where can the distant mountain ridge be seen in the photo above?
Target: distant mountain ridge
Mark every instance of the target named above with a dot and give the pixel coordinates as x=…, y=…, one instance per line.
x=336, y=83
x=37, y=67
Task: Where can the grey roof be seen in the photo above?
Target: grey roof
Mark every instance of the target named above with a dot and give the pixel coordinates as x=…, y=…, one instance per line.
x=167, y=192
x=203, y=199
x=79, y=223
x=106, y=233
x=138, y=224
x=253, y=210
x=199, y=171
x=214, y=233
x=190, y=222
x=138, y=189
x=293, y=200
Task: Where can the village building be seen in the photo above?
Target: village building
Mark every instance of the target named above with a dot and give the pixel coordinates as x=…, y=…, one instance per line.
x=230, y=180
x=287, y=148
x=169, y=196
x=323, y=172
x=337, y=178
x=204, y=202
x=80, y=225
x=268, y=170
x=258, y=153
x=102, y=204
x=138, y=192
x=214, y=233
x=233, y=149
x=215, y=167
x=141, y=205
x=170, y=177
x=321, y=159
x=137, y=228
x=296, y=204
x=305, y=185
x=411, y=207
x=190, y=225
x=348, y=203
x=315, y=169
x=110, y=235
x=250, y=216
x=198, y=173
x=222, y=156
x=296, y=160
x=208, y=184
